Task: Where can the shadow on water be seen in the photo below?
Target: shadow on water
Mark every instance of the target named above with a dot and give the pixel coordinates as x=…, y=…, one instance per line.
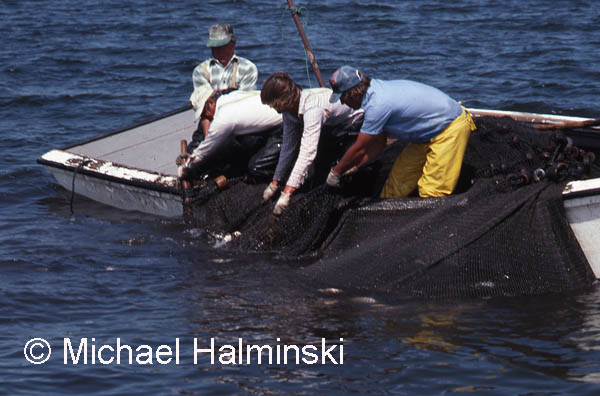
x=65, y=204
x=493, y=341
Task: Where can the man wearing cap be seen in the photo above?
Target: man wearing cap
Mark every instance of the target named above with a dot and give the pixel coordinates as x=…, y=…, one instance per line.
x=222, y=73
x=227, y=104
x=305, y=112
x=436, y=127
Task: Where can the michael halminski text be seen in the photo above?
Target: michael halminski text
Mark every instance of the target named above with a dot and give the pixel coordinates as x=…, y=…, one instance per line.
x=87, y=351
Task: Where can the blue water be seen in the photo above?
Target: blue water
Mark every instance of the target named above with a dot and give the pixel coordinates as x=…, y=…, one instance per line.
x=70, y=70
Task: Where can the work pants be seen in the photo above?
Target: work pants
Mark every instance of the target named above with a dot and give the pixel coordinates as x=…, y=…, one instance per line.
x=432, y=167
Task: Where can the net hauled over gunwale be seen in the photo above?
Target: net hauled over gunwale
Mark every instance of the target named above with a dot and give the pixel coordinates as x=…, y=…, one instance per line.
x=503, y=233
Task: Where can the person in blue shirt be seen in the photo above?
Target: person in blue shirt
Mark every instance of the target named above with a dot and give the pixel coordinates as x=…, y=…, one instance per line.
x=436, y=127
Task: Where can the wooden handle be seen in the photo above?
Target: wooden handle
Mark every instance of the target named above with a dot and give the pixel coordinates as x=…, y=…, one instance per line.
x=183, y=146
x=221, y=182
x=309, y=52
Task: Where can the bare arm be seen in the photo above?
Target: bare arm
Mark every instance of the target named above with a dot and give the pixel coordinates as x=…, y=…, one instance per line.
x=208, y=113
x=366, y=149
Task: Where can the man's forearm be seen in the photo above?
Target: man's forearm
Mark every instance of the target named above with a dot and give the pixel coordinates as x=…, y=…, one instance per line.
x=366, y=149
x=205, y=123
x=351, y=158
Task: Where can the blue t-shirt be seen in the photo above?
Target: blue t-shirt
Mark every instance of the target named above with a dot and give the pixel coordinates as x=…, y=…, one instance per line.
x=407, y=110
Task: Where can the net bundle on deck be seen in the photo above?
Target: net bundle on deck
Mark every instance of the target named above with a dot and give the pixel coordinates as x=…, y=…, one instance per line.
x=504, y=231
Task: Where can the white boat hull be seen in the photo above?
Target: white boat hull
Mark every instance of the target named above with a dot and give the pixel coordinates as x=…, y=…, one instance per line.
x=120, y=195
x=583, y=214
x=131, y=169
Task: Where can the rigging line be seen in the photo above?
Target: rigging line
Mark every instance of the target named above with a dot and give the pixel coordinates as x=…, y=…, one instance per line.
x=302, y=13
x=81, y=165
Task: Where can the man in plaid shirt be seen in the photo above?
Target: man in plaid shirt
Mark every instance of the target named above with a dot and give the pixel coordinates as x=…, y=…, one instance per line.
x=221, y=74
x=238, y=114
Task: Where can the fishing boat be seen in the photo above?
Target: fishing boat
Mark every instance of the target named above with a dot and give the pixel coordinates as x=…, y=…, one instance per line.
x=134, y=168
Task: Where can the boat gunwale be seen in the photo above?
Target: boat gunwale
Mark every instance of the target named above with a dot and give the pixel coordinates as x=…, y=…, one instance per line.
x=532, y=118
x=134, y=182
x=574, y=189
x=567, y=195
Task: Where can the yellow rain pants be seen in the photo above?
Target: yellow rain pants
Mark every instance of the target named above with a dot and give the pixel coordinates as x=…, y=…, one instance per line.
x=433, y=167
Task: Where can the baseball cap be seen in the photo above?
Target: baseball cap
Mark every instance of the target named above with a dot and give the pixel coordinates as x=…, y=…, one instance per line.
x=219, y=35
x=198, y=99
x=343, y=79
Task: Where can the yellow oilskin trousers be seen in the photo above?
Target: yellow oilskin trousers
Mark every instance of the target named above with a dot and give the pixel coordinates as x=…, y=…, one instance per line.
x=433, y=167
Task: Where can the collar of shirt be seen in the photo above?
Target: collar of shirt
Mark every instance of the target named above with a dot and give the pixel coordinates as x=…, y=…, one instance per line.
x=305, y=94
x=215, y=62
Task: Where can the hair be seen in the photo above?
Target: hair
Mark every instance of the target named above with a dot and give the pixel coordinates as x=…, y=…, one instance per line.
x=279, y=90
x=361, y=88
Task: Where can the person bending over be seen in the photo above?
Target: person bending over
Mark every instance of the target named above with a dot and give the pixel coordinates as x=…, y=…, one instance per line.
x=436, y=127
x=244, y=139
x=305, y=113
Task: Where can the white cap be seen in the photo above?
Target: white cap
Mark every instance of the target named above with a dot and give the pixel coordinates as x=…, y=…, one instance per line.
x=198, y=99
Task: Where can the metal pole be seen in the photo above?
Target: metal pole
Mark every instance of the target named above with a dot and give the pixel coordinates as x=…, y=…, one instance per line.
x=311, y=56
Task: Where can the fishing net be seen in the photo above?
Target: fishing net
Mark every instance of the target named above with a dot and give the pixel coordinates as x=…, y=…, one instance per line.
x=503, y=233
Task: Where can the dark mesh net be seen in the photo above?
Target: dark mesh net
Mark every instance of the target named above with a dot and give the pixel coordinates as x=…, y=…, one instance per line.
x=476, y=244
x=503, y=233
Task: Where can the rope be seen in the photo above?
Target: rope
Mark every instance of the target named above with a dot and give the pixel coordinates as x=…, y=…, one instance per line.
x=297, y=10
x=81, y=165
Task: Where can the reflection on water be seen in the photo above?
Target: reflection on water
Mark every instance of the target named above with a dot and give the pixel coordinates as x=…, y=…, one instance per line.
x=489, y=340
x=430, y=337
x=587, y=339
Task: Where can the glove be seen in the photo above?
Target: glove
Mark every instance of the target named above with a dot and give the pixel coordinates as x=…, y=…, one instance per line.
x=282, y=203
x=333, y=179
x=185, y=170
x=182, y=159
x=270, y=191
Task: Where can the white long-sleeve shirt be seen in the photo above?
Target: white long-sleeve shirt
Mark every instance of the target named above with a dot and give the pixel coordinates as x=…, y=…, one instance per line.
x=237, y=113
x=301, y=133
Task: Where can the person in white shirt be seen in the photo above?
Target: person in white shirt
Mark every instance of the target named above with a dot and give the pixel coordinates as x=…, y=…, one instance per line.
x=305, y=112
x=239, y=117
